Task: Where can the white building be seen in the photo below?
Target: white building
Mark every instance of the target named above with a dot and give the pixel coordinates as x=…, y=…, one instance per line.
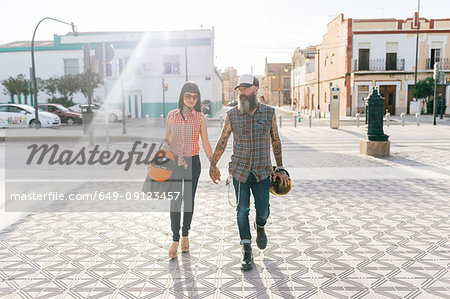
x=149, y=58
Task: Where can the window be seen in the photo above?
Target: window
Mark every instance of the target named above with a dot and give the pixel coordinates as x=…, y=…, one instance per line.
x=364, y=55
x=391, y=56
x=435, y=53
x=3, y=108
x=363, y=62
x=171, y=64
x=71, y=67
x=332, y=59
x=14, y=109
x=435, y=57
x=391, y=61
x=326, y=61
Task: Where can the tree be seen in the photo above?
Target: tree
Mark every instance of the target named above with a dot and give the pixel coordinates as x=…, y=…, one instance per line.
x=17, y=86
x=424, y=89
x=67, y=86
x=49, y=87
x=83, y=82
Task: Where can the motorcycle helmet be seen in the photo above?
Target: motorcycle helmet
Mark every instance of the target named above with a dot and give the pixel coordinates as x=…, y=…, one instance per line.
x=162, y=166
x=276, y=188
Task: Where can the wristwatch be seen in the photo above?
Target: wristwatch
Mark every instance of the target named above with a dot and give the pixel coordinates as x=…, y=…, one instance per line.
x=280, y=168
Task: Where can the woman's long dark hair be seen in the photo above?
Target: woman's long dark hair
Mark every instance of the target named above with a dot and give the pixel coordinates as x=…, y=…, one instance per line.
x=193, y=88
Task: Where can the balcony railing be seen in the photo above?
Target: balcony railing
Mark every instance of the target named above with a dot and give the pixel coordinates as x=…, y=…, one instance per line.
x=444, y=63
x=379, y=65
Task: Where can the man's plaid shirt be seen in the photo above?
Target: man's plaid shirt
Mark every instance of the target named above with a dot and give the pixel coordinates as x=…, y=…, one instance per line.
x=251, y=144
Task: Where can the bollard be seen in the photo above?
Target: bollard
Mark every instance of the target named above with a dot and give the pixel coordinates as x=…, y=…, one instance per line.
x=388, y=118
x=221, y=121
x=402, y=116
x=162, y=120
x=418, y=118
x=310, y=120
x=146, y=116
x=295, y=121
x=357, y=119
x=281, y=124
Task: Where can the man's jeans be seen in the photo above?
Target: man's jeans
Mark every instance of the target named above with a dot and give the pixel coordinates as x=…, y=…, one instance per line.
x=260, y=193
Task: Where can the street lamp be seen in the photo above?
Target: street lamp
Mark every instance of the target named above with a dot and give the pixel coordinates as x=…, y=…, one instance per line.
x=33, y=67
x=417, y=43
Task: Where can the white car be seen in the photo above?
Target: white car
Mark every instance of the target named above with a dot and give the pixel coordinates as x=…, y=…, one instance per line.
x=23, y=116
x=114, y=114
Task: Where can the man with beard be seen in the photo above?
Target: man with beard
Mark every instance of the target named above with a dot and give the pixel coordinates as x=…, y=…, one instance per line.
x=254, y=128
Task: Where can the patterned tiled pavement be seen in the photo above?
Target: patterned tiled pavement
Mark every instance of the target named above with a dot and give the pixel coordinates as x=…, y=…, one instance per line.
x=381, y=237
x=327, y=239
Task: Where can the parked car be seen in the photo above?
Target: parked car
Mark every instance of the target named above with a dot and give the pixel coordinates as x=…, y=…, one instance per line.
x=114, y=114
x=21, y=115
x=66, y=116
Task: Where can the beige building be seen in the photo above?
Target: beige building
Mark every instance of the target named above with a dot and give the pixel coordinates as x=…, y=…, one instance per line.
x=276, y=83
x=356, y=55
x=303, y=77
x=230, y=80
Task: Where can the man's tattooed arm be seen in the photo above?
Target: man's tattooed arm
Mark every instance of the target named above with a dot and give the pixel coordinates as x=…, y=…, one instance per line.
x=221, y=145
x=276, y=142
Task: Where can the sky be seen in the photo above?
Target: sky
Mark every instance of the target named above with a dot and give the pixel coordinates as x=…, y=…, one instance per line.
x=246, y=32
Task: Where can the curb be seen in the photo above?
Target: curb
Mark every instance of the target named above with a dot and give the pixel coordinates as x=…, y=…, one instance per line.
x=73, y=138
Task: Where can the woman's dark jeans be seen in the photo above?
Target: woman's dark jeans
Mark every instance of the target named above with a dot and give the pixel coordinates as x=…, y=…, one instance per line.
x=184, y=181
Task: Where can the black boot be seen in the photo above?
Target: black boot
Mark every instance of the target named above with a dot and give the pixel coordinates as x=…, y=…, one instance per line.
x=261, y=238
x=247, y=256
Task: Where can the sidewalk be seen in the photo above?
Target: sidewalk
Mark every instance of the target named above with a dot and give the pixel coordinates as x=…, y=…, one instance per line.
x=352, y=227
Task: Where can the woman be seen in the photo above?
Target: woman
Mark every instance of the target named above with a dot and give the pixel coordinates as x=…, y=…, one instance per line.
x=184, y=126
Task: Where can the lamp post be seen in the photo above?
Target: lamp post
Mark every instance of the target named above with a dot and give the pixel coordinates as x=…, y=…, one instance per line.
x=417, y=43
x=33, y=67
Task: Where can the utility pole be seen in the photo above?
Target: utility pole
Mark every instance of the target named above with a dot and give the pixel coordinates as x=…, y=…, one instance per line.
x=318, y=79
x=436, y=78
x=417, y=44
x=279, y=88
x=185, y=53
x=87, y=69
x=122, y=95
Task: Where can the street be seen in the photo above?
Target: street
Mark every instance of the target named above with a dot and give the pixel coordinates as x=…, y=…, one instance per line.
x=352, y=226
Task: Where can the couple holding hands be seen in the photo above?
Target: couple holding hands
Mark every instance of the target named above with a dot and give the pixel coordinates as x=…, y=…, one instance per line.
x=254, y=129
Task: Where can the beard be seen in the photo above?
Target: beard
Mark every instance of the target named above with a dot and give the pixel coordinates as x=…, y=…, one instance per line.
x=246, y=104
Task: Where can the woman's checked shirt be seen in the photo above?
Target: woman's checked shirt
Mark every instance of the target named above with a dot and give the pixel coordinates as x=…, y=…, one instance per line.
x=185, y=134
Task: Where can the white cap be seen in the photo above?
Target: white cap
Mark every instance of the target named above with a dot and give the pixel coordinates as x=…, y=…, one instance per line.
x=247, y=80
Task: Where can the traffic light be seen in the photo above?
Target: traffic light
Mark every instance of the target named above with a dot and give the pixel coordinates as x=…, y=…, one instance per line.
x=447, y=81
x=166, y=86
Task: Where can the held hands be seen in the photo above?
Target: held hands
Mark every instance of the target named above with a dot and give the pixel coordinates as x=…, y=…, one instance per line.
x=214, y=174
x=284, y=178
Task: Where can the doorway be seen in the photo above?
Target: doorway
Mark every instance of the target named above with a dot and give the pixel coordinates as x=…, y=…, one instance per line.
x=134, y=105
x=409, y=98
x=388, y=93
